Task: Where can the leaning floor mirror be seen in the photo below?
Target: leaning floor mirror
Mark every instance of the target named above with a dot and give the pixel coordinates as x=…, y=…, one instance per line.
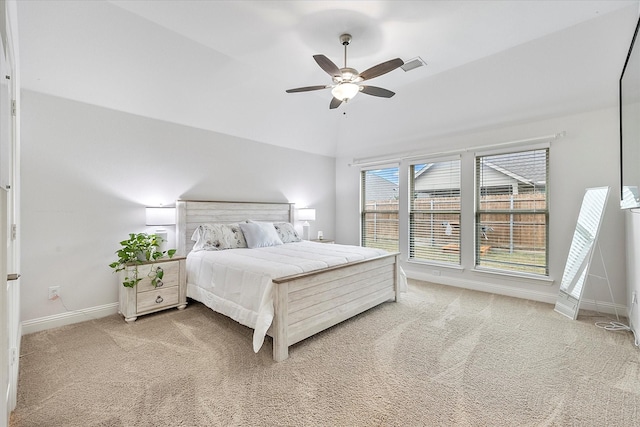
x=585, y=236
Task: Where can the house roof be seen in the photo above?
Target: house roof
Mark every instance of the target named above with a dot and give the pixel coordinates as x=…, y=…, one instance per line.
x=528, y=172
x=225, y=65
x=525, y=171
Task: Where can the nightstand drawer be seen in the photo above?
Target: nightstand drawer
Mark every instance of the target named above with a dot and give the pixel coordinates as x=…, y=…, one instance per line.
x=170, y=277
x=157, y=299
x=144, y=298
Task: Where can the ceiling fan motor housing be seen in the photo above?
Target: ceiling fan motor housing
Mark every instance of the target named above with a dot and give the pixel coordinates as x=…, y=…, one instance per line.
x=347, y=74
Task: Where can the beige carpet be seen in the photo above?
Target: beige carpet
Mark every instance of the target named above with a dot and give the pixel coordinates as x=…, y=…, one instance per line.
x=440, y=357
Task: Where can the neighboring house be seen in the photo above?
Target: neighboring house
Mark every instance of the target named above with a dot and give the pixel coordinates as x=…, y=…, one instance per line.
x=522, y=177
x=381, y=189
x=501, y=172
x=430, y=182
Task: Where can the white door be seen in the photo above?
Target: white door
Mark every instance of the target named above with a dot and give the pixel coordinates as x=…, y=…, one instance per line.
x=4, y=330
x=9, y=216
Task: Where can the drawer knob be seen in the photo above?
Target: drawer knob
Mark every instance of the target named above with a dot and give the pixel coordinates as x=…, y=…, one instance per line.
x=156, y=280
x=159, y=299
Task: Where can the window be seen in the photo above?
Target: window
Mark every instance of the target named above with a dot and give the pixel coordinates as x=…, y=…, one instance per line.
x=512, y=216
x=434, y=212
x=380, y=208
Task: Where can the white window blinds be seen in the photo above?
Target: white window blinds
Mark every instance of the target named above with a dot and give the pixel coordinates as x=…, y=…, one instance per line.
x=434, y=212
x=512, y=213
x=379, y=208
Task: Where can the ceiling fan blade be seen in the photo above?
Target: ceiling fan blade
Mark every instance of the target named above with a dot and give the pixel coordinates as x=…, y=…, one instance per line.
x=307, y=88
x=335, y=103
x=327, y=65
x=377, y=91
x=380, y=69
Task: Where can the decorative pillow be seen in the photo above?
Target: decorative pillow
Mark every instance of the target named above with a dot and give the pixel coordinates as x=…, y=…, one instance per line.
x=260, y=234
x=213, y=237
x=286, y=232
x=239, y=240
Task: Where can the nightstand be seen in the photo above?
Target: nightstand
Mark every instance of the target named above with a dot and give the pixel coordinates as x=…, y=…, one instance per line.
x=322, y=240
x=144, y=298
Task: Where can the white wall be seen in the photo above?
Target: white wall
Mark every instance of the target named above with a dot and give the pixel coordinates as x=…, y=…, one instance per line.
x=88, y=172
x=588, y=156
x=633, y=267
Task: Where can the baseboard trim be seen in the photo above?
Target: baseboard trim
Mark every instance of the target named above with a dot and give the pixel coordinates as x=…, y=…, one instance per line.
x=76, y=316
x=546, y=297
x=68, y=318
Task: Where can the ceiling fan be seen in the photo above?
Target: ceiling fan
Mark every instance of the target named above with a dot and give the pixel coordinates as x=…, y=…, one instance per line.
x=346, y=81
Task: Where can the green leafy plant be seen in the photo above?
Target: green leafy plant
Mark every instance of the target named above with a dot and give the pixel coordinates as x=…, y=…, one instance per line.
x=138, y=249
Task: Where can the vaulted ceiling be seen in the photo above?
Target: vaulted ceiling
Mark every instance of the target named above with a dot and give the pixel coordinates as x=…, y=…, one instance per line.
x=225, y=65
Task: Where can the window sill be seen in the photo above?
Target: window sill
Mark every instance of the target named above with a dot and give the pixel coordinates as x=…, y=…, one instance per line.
x=435, y=264
x=534, y=277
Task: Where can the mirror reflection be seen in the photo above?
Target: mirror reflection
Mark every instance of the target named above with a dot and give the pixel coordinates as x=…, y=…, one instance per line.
x=630, y=127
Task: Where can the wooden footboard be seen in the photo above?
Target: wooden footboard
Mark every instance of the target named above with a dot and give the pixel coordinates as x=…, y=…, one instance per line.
x=306, y=304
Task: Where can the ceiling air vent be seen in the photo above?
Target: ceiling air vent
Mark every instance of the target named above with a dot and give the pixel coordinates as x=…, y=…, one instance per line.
x=413, y=63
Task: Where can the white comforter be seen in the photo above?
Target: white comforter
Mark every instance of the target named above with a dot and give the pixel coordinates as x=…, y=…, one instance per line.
x=237, y=282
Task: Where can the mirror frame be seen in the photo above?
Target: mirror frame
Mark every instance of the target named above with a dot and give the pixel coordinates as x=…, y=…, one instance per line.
x=583, y=246
x=630, y=143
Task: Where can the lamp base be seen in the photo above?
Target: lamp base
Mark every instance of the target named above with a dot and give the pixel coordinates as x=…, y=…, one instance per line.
x=162, y=234
x=305, y=231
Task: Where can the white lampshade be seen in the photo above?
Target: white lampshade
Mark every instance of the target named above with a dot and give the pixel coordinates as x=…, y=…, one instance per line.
x=345, y=91
x=163, y=215
x=306, y=214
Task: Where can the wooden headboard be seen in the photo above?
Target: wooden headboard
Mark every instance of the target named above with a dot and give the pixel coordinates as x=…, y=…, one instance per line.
x=191, y=213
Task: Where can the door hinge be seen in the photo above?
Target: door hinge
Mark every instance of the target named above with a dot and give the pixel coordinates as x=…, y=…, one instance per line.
x=13, y=107
x=14, y=231
x=13, y=356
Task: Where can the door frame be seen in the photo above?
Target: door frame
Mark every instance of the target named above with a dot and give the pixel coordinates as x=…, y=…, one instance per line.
x=10, y=213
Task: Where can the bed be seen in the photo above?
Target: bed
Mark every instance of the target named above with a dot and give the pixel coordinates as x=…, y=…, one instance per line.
x=288, y=302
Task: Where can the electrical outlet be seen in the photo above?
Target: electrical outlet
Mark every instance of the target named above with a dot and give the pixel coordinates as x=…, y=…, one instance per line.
x=54, y=292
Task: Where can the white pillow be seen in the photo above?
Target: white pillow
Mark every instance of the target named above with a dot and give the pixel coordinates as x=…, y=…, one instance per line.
x=260, y=234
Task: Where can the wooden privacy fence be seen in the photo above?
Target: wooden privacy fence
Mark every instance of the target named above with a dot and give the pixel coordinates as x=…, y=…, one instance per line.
x=510, y=231
x=380, y=223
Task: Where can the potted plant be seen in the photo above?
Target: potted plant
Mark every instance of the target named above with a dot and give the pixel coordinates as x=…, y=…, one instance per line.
x=137, y=249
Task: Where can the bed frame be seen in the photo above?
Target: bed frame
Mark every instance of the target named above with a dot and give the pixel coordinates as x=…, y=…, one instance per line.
x=304, y=304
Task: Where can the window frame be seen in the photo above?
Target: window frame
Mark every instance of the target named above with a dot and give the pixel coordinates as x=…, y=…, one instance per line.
x=363, y=203
x=411, y=212
x=478, y=212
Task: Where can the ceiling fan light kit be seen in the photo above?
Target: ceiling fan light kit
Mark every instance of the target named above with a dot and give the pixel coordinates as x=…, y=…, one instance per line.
x=345, y=91
x=346, y=80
